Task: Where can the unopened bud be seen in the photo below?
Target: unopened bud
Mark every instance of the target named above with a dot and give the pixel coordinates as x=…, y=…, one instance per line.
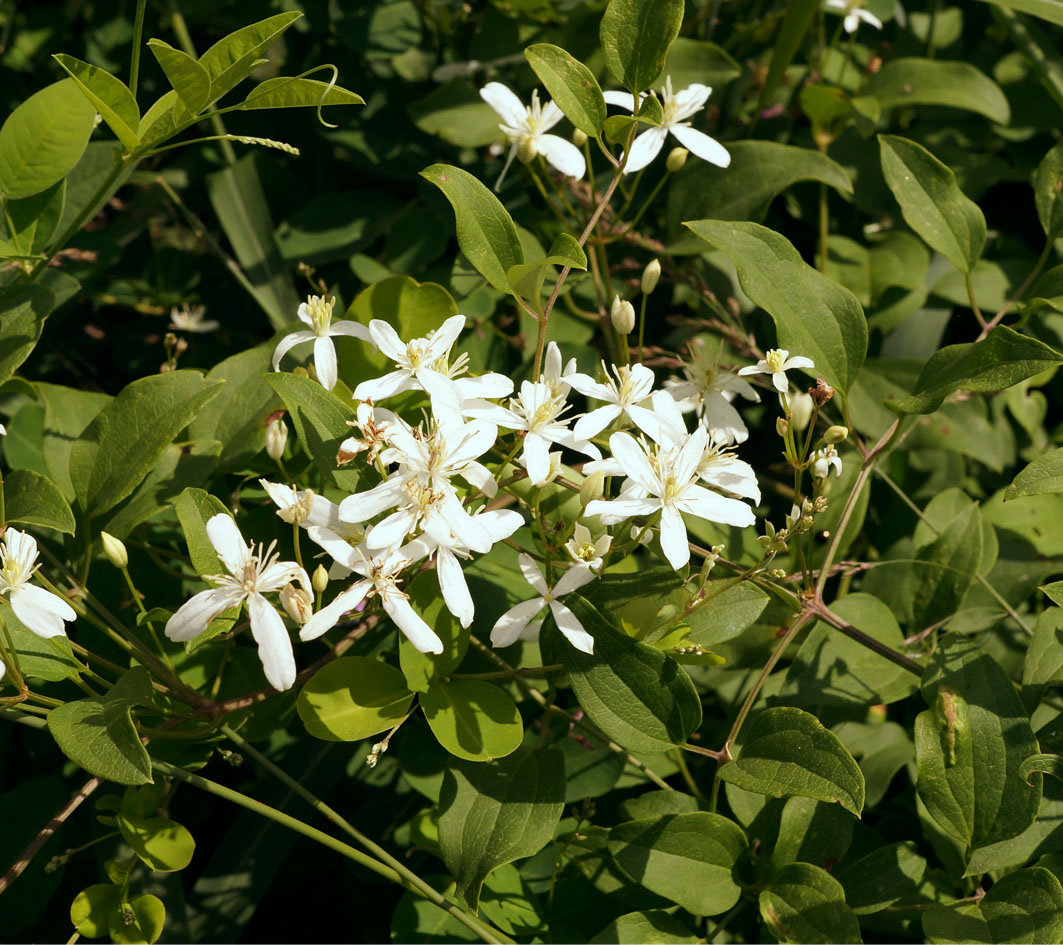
x=319, y=580
x=579, y=139
x=651, y=275
x=801, y=408
x=782, y=426
x=526, y=152
x=593, y=487
x=115, y=550
x=276, y=437
x=677, y=157
x=835, y=434
x=622, y=315
x=296, y=603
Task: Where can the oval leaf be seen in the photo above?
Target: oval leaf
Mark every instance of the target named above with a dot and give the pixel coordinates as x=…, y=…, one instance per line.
x=162, y=843
x=352, y=698
x=190, y=80
x=1043, y=475
x=635, y=36
x=32, y=499
x=804, y=903
x=914, y=81
x=473, y=719
x=109, y=95
x=231, y=59
x=292, y=92
x=571, y=85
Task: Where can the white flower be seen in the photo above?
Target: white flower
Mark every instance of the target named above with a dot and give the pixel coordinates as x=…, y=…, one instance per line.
x=380, y=574
x=293, y=507
x=823, y=460
x=556, y=372
x=3, y=430
x=721, y=468
x=497, y=524
x=39, y=610
x=777, y=362
x=317, y=313
x=526, y=128
x=632, y=386
x=662, y=479
x=190, y=318
x=514, y=622
x=375, y=426
x=253, y=571
x=854, y=13
x=709, y=391
x=677, y=108
x=582, y=550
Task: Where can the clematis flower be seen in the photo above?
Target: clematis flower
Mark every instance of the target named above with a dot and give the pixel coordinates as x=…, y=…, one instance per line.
x=825, y=459
x=709, y=391
x=663, y=480
x=253, y=571
x=632, y=386
x=854, y=14
x=677, y=107
x=317, y=313
x=516, y=621
x=777, y=362
x=380, y=576
x=526, y=129
x=375, y=425
x=190, y=318
x=39, y=610
x=583, y=550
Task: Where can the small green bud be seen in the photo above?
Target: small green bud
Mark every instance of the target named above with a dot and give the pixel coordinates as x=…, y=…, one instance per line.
x=115, y=550
x=593, y=487
x=677, y=157
x=276, y=437
x=782, y=426
x=579, y=139
x=319, y=580
x=835, y=434
x=622, y=315
x=651, y=275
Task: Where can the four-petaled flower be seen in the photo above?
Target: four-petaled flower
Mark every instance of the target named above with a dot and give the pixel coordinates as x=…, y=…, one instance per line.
x=253, y=571
x=823, y=460
x=583, y=550
x=854, y=13
x=777, y=362
x=516, y=621
x=39, y=610
x=317, y=313
x=677, y=108
x=632, y=386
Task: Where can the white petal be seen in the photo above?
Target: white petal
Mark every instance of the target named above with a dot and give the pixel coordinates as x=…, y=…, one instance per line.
x=287, y=343
x=509, y=108
x=782, y=385
x=363, y=506
x=570, y=626
x=531, y=573
x=351, y=329
x=479, y=476
x=574, y=578
x=616, y=510
x=686, y=463
x=274, y=644
x=387, y=340
x=380, y=388
x=391, y=531
x=674, y=538
x=646, y=147
x=195, y=614
x=303, y=314
x=549, y=116
x=511, y=624
x=500, y=523
x=591, y=424
x=278, y=574
x=228, y=543
x=690, y=101
x=325, y=362
x=454, y=587
x=536, y=458
x=700, y=144
x=489, y=385
x=624, y=99
x=443, y=338
x=326, y=618
x=407, y=620
x=633, y=459
x=703, y=503
x=41, y=611
x=798, y=361
x=589, y=387
x=564, y=155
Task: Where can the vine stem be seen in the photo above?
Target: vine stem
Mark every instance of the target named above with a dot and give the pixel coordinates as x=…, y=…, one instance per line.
x=138, y=34
x=407, y=876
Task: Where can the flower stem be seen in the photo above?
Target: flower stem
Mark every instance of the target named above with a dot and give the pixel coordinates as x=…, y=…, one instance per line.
x=138, y=33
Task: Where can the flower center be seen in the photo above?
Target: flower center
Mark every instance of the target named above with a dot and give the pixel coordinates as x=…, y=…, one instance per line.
x=586, y=552
x=11, y=572
x=415, y=352
x=320, y=312
x=775, y=359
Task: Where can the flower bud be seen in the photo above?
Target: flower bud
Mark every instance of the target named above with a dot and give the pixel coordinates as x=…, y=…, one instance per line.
x=579, y=138
x=801, y=408
x=651, y=275
x=622, y=315
x=677, y=157
x=296, y=603
x=319, y=580
x=782, y=427
x=115, y=550
x=276, y=437
x=835, y=434
x=593, y=487
x=526, y=152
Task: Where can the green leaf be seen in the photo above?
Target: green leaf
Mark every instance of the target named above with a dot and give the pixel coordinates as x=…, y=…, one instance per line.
x=486, y=233
x=109, y=96
x=1024, y=906
x=691, y=859
x=473, y=719
x=122, y=443
x=814, y=316
x=33, y=499
x=163, y=844
x=526, y=280
x=90, y=912
x=728, y=614
x=423, y=669
x=195, y=508
x=635, y=36
x=50, y=658
x=23, y=309
x=653, y=925
x=637, y=696
x=692, y=60
x=970, y=745
x=495, y=813
x=98, y=734
x=811, y=832
x=43, y=139
x=243, y=210
x=571, y=85
x=32, y=221
x=913, y=81
x=320, y=419
x=455, y=112
x=803, y=903
x=931, y=201
x=294, y=92
x=788, y=752
x=190, y=80
x=1050, y=10
x=1043, y=475
x=937, y=588
x=1001, y=360
x=1047, y=185
x=352, y=698
x=1046, y=764
x=795, y=23
x=231, y=59
x=879, y=878
x=139, y=922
